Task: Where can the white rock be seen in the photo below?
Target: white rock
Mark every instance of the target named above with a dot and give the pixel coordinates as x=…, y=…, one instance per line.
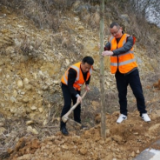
x=7, y=76
x=56, y=82
x=15, y=93
x=1, y=124
x=28, y=87
x=25, y=100
x=29, y=129
x=2, y=105
x=2, y=129
x=76, y=19
x=45, y=122
x=13, y=99
x=80, y=28
x=20, y=83
x=67, y=62
x=64, y=146
x=32, y=130
x=41, y=73
x=40, y=110
x=13, y=110
x=35, y=75
x=33, y=108
x=25, y=81
x=29, y=122
x=20, y=26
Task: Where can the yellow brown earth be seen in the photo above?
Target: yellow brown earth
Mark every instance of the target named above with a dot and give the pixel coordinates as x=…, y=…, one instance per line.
x=123, y=141
x=34, y=54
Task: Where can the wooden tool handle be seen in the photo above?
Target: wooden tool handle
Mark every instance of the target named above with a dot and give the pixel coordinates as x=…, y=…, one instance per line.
x=65, y=117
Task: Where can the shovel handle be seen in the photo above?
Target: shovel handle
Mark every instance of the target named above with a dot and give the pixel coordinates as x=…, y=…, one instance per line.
x=65, y=117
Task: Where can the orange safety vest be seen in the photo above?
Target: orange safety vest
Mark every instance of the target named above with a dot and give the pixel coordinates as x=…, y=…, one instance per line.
x=124, y=62
x=79, y=78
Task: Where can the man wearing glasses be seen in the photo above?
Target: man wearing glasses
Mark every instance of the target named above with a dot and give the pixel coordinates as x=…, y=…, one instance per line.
x=124, y=66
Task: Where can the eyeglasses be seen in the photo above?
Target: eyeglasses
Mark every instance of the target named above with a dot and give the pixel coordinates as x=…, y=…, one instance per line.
x=114, y=33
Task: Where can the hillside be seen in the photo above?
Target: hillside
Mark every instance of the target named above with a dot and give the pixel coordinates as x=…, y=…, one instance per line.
x=32, y=61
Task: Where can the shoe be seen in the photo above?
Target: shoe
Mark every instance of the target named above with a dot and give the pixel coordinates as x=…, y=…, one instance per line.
x=121, y=118
x=64, y=131
x=145, y=117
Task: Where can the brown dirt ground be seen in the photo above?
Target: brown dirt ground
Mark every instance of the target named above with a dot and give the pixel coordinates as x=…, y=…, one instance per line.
x=123, y=141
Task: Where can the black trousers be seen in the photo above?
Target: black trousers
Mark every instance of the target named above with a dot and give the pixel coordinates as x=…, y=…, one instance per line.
x=68, y=98
x=133, y=80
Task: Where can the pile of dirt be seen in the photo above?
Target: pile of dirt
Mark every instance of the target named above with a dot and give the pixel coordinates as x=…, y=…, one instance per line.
x=123, y=141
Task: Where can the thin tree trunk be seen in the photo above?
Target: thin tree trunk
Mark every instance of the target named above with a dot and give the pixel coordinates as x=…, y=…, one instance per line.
x=103, y=113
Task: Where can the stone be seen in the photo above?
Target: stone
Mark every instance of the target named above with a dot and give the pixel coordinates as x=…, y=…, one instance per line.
x=13, y=110
x=9, y=50
x=28, y=87
x=33, y=108
x=25, y=99
x=2, y=129
x=133, y=154
x=29, y=122
x=67, y=62
x=13, y=99
x=20, y=84
x=76, y=19
x=83, y=151
x=1, y=124
x=80, y=28
x=32, y=130
x=64, y=147
x=15, y=93
x=40, y=110
x=25, y=81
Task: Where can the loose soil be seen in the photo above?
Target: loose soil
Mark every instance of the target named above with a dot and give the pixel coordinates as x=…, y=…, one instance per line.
x=123, y=141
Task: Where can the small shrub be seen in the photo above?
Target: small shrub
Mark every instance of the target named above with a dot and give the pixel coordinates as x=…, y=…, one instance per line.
x=29, y=47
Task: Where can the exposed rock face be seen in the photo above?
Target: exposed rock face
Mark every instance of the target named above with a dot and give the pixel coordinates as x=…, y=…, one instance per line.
x=33, y=60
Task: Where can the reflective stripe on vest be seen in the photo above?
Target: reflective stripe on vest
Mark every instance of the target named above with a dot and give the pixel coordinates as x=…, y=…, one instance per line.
x=124, y=62
x=79, y=81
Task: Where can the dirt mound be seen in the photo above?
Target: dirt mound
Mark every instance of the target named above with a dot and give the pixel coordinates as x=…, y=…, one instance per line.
x=123, y=141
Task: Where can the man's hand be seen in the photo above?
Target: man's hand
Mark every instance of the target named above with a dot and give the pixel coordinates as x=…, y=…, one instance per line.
x=107, y=53
x=87, y=88
x=79, y=98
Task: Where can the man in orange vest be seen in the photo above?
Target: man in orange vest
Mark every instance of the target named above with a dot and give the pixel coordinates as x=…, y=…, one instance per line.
x=124, y=66
x=71, y=82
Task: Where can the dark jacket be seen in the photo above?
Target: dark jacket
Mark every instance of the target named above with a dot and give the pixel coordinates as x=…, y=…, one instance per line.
x=71, y=79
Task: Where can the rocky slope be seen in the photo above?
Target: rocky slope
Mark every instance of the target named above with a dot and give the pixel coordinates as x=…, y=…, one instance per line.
x=32, y=61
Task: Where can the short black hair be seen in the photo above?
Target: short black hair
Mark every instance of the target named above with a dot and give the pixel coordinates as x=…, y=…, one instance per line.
x=88, y=60
x=114, y=24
